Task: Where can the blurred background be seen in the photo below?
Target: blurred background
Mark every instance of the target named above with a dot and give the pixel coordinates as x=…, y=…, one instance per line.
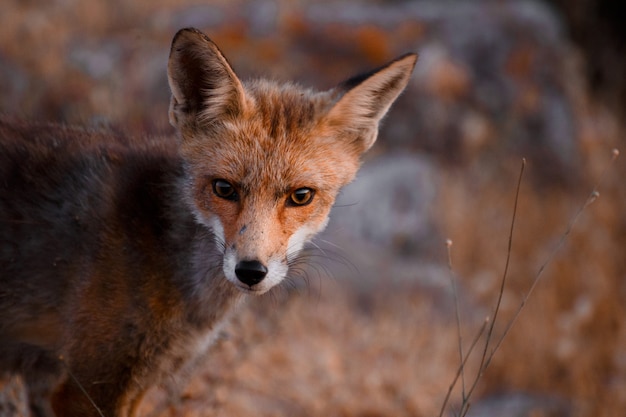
x=371, y=329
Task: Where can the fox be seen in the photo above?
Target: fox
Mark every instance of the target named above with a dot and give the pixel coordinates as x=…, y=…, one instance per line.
x=122, y=257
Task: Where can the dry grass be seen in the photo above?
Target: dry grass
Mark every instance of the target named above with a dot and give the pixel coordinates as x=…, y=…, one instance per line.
x=567, y=340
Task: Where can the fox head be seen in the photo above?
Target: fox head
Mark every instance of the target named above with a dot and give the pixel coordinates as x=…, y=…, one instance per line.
x=264, y=161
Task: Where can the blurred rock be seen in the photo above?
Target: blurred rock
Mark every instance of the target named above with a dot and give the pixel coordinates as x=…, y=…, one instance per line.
x=95, y=60
x=520, y=405
x=382, y=230
x=390, y=205
x=200, y=15
x=493, y=77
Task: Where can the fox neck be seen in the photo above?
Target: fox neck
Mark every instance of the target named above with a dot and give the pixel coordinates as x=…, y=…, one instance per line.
x=206, y=295
x=212, y=296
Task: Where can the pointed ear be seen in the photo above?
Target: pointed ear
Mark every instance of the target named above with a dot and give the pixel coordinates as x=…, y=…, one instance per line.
x=203, y=84
x=367, y=99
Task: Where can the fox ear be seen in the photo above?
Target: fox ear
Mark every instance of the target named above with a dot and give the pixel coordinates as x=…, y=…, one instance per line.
x=367, y=99
x=203, y=84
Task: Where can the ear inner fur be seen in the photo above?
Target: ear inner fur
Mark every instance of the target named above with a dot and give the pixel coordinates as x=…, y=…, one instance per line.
x=368, y=99
x=204, y=85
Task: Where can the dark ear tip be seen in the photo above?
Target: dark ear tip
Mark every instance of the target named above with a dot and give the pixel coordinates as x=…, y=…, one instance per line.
x=184, y=32
x=188, y=31
x=358, y=79
x=190, y=34
x=410, y=56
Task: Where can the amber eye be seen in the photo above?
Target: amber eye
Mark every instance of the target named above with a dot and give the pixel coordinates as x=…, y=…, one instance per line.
x=224, y=189
x=301, y=197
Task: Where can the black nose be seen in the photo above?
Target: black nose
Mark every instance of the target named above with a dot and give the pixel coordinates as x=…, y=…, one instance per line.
x=250, y=272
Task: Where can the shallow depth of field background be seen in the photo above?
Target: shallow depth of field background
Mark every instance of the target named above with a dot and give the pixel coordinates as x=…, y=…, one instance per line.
x=371, y=330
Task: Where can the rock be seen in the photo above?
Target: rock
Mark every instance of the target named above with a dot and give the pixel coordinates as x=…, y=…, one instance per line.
x=520, y=405
x=492, y=76
x=389, y=205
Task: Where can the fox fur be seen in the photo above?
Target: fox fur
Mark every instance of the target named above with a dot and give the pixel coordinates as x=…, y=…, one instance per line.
x=120, y=257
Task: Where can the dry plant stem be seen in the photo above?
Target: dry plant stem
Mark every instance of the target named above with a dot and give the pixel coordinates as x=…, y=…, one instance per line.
x=458, y=315
x=62, y=359
x=487, y=357
x=460, y=371
x=461, y=367
x=506, y=268
x=593, y=196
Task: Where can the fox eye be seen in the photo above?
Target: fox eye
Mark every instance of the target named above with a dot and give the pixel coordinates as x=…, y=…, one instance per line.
x=224, y=189
x=301, y=197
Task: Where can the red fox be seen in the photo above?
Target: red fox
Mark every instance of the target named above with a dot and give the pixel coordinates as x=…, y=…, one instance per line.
x=120, y=257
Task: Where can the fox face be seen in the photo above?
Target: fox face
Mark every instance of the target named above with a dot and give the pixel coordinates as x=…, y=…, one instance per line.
x=264, y=161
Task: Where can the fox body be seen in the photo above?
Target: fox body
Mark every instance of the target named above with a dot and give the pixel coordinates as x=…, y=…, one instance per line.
x=120, y=257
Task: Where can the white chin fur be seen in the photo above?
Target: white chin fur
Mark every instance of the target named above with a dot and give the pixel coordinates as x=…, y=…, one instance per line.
x=216, y=226
x=299, y=238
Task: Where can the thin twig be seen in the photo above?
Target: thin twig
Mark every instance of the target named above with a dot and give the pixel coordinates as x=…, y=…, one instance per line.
x=80, y=386
x=460, y=371
x=593, y=196
x=487, y=355
x=458, y=314
x=461, y=367
x=485, y=358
